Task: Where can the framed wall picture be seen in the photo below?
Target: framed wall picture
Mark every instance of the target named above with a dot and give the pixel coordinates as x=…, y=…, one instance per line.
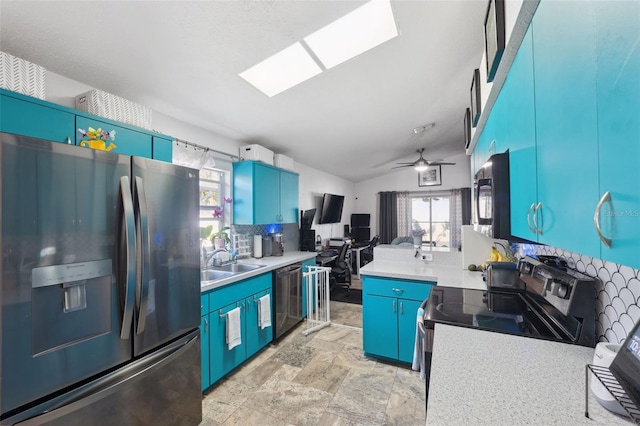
x=430, y=177
x=467, y=128
x=475, y=98
x=494, y=36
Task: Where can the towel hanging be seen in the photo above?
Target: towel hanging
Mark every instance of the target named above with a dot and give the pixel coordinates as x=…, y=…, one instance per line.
x=418, y=349
x=264, y=311
x=234, y=332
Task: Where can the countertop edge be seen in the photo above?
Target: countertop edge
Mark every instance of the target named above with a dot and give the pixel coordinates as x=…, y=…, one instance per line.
x=271, y=263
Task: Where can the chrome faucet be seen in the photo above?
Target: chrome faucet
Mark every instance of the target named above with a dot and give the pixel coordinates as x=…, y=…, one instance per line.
x=207, y=257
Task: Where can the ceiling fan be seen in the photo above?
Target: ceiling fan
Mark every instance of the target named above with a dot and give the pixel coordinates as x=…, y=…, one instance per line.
x=421, y=164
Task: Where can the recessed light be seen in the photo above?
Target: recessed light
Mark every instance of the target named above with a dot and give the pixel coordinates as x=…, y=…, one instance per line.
x=282, y=71
x=363, y=29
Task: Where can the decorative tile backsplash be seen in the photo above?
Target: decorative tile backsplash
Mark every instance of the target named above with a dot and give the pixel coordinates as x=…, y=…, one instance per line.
x=618, y=291
x=290, y=233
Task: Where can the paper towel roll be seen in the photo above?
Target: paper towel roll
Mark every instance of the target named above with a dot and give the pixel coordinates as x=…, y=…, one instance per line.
x=257, y=246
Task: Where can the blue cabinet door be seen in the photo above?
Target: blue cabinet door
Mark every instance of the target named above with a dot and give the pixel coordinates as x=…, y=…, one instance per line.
x=407, y=323
x=521, y=134
x=266, y=194
x=22, y=117
x=127, y=141
x=618, y=88
x=288, y=197
x=222, y=359
x=204, y=351
x=257, y=337
x=380, y=326
x=162, y=149
x=566, y=124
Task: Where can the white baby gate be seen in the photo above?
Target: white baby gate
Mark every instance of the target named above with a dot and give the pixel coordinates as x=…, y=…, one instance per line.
x=316, y=281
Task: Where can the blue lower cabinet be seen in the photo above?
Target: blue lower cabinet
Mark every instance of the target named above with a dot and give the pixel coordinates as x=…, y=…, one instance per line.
x=204, y=351
x=218, y=359
x=222, y=359
x=389, y=308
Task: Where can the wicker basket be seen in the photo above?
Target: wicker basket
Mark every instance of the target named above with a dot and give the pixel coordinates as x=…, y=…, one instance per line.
x=115, y=108
x=21, y=76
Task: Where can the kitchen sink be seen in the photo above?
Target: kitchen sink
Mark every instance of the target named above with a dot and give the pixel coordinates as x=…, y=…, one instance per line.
x=236, y=268
x=213, y=275
x=225, y=271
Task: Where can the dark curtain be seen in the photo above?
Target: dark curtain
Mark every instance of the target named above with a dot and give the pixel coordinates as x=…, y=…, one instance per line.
x=388, y=217
x=465, y=193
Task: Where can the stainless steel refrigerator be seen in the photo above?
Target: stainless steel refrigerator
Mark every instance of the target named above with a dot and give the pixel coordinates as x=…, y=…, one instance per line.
x=100, y=291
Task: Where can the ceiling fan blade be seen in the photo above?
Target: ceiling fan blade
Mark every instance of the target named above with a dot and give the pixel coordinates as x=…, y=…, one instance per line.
x=399, y=167
x=408, y=164
x=437, y=163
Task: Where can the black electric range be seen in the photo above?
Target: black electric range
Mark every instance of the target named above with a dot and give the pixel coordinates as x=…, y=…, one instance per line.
x=552, y=302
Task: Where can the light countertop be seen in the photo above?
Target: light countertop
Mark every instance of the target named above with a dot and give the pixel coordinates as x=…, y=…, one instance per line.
x=445, y=275
x=270, y=262
x=512, y=380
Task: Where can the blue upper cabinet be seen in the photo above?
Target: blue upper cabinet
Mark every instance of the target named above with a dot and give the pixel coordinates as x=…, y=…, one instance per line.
x=288, y=197
x=36, y=118
x=566, y=124
x=162, y=149
x=618, y=91
x=521, y=134
x=31, y=117
x=127, y=141
x=263, y=194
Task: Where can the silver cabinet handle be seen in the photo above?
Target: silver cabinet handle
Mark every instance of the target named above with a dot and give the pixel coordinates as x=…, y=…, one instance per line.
x=68, y=140
x=535, y=218
x=394, y=306
x=401, y=308
x=397, y=290
x=596, y=218
x=531, y=207
x=206, y=325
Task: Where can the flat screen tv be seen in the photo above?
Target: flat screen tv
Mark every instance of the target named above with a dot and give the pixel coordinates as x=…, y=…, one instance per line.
x=331, y=208
x=360, y=220
x=307, y=219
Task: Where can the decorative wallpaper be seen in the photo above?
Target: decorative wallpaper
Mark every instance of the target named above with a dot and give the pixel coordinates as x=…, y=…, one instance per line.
x=618, y=292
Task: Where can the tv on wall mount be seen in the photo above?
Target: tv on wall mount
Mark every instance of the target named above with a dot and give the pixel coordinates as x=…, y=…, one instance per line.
x=331, y=211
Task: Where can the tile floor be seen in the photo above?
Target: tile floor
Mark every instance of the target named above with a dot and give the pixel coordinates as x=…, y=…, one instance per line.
x=320, y=379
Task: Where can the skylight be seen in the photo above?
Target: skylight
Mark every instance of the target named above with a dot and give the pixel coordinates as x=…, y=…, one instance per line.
x=281, y=71
x=357, y=32
x=363, y=29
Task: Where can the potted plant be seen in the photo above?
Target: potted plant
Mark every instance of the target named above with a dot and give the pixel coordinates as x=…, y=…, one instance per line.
x=220, y=239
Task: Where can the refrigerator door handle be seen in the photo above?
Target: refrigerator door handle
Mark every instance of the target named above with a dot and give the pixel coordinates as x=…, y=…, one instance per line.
x=142, y=254
x=129, y=237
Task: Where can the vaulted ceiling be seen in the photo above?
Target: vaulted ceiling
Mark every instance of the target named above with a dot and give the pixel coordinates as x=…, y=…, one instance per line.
x=182, y=58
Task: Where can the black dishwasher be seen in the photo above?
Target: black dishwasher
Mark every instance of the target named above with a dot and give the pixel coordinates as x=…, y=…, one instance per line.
x=287, y=296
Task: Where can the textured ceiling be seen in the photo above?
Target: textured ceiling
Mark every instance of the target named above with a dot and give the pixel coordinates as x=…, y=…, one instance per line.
x=182, y=58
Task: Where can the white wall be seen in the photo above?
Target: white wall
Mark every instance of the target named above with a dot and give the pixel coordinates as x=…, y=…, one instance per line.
x=313, y=184
x=366, y=192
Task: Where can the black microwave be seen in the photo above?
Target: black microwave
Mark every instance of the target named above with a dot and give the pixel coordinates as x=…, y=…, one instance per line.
x=491, y=198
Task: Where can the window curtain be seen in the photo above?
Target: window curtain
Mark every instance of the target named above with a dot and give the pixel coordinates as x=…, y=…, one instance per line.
x=388, y=216
x=459, y=214
x=404, y=214
x=192, y=156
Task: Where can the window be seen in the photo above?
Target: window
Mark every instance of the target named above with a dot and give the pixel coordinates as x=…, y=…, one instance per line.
x=432, y=213
x=212, y=193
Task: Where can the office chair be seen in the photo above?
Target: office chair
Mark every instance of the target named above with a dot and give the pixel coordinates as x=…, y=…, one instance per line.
x=340, y=273
x=366, y=255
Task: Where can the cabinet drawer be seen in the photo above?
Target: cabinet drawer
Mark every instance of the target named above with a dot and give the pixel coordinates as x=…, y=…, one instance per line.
x=204, y=304
x=389, y=287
